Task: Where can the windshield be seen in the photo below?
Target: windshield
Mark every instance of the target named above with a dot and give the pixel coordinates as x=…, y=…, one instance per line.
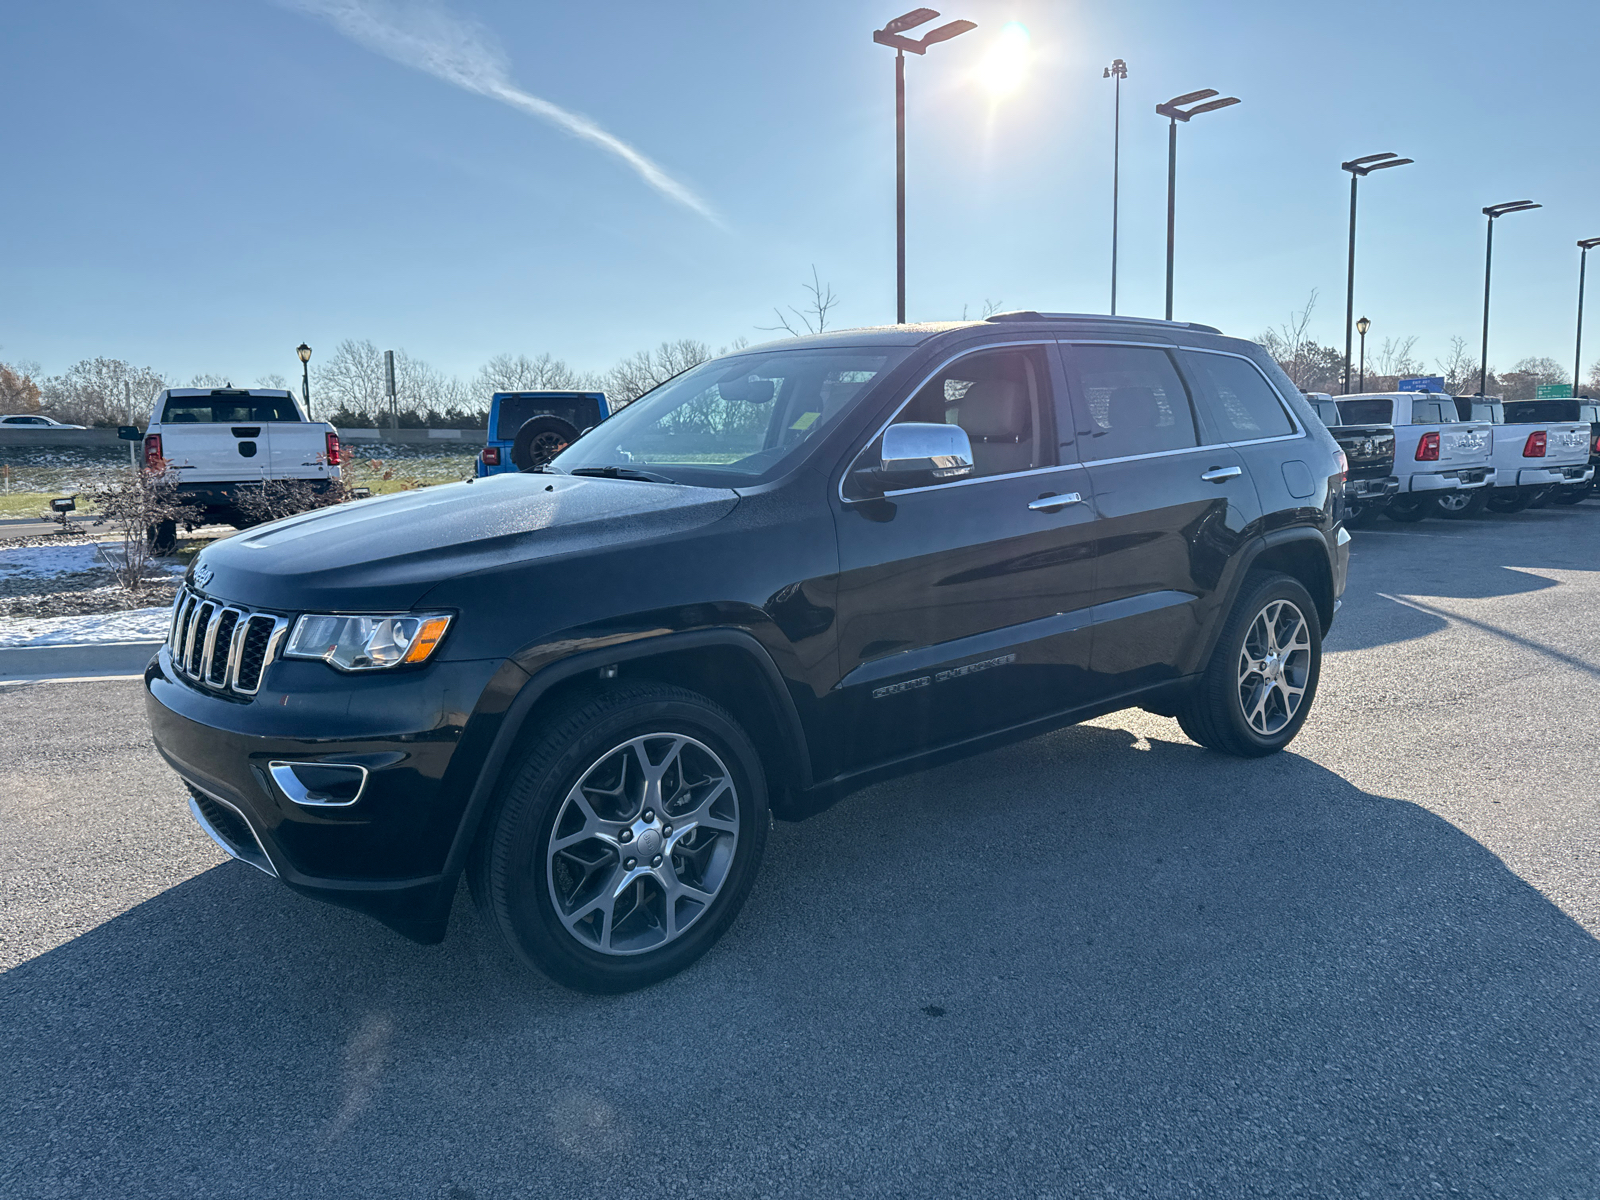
x=732, y=419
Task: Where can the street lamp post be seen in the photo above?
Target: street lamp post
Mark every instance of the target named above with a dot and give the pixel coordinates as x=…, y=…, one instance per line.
x=1359, y=168
x=1174, y=113
x=1118, y=70
x=891, y=35
x=1585, y=246
x=304, y=351
x=1361, y=327
x=1493, y=211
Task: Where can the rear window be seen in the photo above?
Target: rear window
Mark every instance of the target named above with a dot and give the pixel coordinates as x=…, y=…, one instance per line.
x=1366, y=412
x=580, y=411
x=1531, y=412
x=228, y=410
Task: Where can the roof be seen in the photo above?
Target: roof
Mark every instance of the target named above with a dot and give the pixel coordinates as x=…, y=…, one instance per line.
x=919, y=332
x=229, y=392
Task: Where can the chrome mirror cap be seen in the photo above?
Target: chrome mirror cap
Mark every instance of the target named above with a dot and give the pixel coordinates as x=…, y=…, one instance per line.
x=919, y=448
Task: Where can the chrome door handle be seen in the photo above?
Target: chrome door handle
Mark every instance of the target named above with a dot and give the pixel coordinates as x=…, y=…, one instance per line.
x=1218, y=474
x=1046, y=503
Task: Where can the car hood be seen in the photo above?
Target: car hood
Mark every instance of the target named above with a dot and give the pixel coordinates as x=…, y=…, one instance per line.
x=386, y=553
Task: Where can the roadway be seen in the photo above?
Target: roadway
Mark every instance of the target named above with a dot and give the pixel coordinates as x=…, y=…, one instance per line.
x=1101, y=963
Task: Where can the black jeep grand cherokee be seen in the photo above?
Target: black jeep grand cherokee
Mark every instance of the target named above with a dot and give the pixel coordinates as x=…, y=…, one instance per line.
x=780, y=576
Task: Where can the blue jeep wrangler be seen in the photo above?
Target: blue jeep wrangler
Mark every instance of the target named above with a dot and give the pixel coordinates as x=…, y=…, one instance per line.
x=528, y=429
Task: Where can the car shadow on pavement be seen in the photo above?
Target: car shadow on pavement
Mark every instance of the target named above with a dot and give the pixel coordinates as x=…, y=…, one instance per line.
x=1087, y=964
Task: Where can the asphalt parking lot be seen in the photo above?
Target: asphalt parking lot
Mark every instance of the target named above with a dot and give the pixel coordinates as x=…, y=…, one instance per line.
x=1101, y=963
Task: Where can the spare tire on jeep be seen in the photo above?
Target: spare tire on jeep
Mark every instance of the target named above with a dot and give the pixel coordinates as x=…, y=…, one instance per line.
x=539, y=440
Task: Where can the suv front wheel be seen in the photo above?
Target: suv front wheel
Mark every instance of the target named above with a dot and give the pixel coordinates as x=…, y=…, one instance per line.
x=626, y=841
x=1258, y=688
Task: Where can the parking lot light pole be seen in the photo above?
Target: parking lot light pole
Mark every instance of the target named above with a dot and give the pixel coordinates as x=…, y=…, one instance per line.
x=1493, y=211
x=1359, y=168
x=1361, y=327
x=1585, y=246
x=304, y=351
x=892, y=35
x=1174, y=113
x=1118, y=70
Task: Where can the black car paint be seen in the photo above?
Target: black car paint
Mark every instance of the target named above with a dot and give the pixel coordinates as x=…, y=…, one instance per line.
x=830, y=604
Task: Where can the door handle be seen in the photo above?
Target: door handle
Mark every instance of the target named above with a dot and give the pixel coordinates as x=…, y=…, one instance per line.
x=1049, y=502
x=1219, y=474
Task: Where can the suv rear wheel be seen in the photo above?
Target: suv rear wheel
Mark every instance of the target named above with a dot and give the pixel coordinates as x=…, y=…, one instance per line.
x=626, y=841
x=1258, y=688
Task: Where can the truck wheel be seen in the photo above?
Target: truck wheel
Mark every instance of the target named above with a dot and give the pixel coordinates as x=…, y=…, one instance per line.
x=1361, y=514
x=1458, y=506
x=1571, y=494
x=625, y=841
x=539, y=440
x=162, y=537
x=1258, y=687
x=1406, y=509
x=1510, y=500
x=1541, y=497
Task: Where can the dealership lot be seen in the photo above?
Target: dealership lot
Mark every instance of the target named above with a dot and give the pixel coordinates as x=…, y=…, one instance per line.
x=1103, y=962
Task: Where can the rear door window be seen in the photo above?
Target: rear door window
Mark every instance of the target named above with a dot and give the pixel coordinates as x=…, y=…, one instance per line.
x=1128, y=400
x=1237, y=402
x=1432, y=412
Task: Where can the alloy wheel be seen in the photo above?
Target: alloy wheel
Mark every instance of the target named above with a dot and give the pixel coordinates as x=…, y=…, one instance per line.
x=1454, y=501
x=545, y=447
x=1274, y=667
x=643, y=843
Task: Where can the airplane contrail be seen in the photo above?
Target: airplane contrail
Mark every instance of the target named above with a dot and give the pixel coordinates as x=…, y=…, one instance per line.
x=422, y=35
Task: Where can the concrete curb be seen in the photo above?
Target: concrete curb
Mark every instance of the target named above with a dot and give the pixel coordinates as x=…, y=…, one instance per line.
x=20, y=663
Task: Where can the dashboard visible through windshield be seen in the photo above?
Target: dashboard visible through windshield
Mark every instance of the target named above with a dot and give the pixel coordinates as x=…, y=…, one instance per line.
x=735, y=418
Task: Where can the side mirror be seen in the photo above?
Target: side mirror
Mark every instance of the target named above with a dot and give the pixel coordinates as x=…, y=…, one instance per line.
x=129, y=433
x=916, y=453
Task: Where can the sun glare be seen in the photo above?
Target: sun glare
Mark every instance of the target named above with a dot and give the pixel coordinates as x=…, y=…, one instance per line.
x=1005, y=67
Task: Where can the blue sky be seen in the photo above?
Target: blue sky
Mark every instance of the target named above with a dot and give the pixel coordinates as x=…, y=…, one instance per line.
x=199, y=185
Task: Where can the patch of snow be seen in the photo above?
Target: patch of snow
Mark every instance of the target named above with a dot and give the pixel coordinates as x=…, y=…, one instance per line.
x=133, y=625
x=35, y=562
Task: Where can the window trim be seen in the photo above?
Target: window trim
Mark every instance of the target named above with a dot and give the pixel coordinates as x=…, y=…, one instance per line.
x=1294, y=421
x=916, y=390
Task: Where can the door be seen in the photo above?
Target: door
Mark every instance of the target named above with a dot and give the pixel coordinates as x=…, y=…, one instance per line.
x=963, y=605
x=1238, y=406
x=1172, y=512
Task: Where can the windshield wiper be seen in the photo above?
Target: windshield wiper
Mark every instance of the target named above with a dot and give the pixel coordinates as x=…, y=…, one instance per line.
x=616, y=472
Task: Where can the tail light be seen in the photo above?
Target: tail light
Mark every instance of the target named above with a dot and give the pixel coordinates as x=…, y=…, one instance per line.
x=1344, y=466
x=490, y=456
x=1428, y=448
x=1597, y=443
x=152, y=450
x=1534, y=446
x=333, y=449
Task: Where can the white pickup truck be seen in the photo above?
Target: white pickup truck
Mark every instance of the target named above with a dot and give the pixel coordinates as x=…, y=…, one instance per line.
x=1528, y=458
x=218, y=442
x=1437, y=456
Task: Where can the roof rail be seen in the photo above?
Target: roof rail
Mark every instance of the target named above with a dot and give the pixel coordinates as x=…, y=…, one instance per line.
x=1028, y=314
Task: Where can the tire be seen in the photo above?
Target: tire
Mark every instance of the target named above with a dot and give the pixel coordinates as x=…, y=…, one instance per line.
x=162, y=537
x=1541, y=497
x=1362, y=514
x=1459, y=506
x=1406, y=509
x=1229, y=709
x=560, y=907
x=539, y=440
x=1571, y=494
x=1510, y=500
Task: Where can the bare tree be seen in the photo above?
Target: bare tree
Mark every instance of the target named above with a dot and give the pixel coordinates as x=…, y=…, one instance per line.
x=1594, y=377
x=1459, y=368
x=210, y=379
x=273, y=380
x=1394, y=357
x=813, y=318
x=641, y=371
x=1523, y=381
x=138, y=503
x=519, y=373
x=95, y=391
x=274, y=499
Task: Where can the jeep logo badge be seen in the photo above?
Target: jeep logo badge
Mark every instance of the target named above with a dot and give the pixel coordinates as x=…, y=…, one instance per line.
x=202, y=574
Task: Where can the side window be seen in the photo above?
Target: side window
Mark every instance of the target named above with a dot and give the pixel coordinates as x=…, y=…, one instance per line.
x=997, y=396
x=1240, y=406
x=1430, y=412
x=1129, y=400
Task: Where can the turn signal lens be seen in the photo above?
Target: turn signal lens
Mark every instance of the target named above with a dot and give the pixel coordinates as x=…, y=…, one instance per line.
x=491, y=456
x=426, y=639
x=369, y=642
x=1428, y=448
x=1534, y=446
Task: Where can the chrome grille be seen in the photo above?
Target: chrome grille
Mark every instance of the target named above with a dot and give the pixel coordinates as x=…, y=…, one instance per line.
x=223, y=646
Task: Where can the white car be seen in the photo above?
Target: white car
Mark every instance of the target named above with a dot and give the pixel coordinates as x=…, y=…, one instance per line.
x=1529, y=457
x=34, y=421
x=1437, y=456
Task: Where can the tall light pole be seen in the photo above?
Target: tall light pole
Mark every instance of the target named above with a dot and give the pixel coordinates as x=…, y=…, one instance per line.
x=304, y=351
x=1359, y=168
x=1493, y=211
x=1361, y=327
x=1174, y=113
x=891, y=35
x=1585, y=246
x=1118, y=70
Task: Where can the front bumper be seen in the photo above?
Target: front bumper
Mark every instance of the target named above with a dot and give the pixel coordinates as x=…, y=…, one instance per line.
x=418, y=734
x=1462, y=479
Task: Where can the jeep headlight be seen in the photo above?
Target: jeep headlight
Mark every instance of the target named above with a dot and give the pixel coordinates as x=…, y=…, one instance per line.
x=368, y=642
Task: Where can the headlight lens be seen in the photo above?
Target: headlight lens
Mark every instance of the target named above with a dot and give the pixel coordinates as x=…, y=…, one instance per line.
x=369, y=642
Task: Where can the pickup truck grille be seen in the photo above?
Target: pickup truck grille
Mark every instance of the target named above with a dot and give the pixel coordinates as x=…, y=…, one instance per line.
x=223, y=646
